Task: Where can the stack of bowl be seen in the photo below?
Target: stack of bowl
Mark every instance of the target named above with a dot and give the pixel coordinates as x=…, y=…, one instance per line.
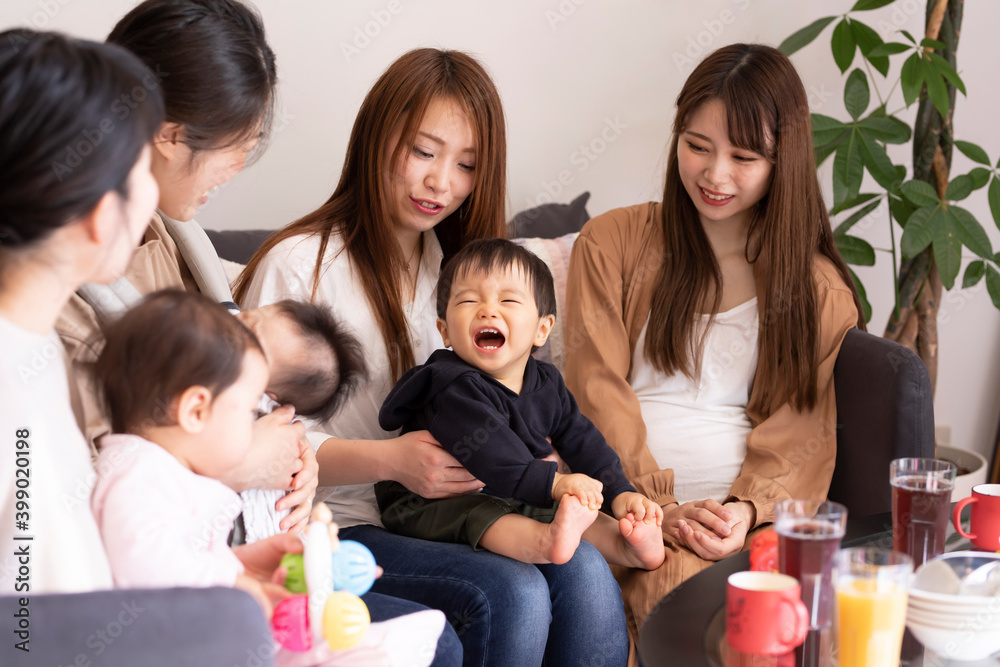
x=954, y=605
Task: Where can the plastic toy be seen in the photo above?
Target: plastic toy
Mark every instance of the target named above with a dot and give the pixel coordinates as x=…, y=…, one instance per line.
x=327, y=606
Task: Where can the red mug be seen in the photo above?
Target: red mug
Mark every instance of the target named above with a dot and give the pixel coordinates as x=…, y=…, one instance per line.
x=985, y=522
x=764, y=613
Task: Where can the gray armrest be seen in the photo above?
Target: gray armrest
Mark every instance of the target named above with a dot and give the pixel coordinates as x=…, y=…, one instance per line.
x=885, y=410
x=194, y=627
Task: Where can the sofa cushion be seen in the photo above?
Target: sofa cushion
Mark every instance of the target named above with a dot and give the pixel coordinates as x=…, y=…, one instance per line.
x=550, y=221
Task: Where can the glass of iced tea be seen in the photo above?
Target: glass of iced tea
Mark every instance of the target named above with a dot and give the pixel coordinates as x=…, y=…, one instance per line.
x=921, y=503
x=809, y=534
x=871, y=606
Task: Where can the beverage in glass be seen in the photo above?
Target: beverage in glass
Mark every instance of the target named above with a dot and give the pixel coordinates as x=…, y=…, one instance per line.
x=871, y=589
x=921, y=504
x=809, y=534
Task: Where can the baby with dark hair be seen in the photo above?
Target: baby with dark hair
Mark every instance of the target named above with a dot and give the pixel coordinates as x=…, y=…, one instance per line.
x=505, y=417
x=182, y=406
x=315, y=364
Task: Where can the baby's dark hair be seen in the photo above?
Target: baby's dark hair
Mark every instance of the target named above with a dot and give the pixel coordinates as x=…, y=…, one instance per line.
x=314, y=393
x=168, y=342
x=490, y=255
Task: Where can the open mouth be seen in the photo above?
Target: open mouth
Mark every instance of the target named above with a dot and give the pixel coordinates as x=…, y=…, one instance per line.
x=715, y=197
x=489, y=339
x=426, y=206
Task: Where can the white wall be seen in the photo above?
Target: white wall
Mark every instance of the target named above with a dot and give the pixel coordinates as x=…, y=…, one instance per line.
x=576, y=73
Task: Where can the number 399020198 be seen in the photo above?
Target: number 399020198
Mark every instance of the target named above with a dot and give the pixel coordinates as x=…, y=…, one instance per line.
x=22, y=482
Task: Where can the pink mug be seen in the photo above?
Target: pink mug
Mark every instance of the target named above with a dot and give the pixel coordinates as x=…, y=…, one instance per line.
x=985, y=521
x=764, y=613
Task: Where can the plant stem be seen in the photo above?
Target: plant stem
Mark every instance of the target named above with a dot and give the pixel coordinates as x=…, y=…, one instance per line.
x=872, y=78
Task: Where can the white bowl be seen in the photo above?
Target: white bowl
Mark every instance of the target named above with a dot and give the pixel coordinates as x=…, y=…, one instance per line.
x=983, y=622
x=943, y=599
x=960, y=645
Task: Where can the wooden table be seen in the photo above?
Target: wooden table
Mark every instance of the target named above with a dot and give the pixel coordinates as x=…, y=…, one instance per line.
x=687, y=622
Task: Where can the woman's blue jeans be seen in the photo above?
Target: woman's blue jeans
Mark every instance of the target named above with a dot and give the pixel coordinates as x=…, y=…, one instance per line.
x=506, y=612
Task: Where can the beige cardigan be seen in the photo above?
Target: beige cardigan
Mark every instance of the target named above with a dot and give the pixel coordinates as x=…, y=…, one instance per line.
x=156, y=264
x=790, y=453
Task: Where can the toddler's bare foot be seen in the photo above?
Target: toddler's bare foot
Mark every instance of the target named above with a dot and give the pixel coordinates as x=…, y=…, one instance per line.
x=643, y=542
x=566, y=529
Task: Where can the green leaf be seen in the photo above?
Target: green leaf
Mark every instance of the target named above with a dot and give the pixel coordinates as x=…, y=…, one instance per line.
x=867, y=39
x=843, y=227
x=889, y=129
x=865, y=5
x=848, y=170
x=973, y=273
x=959, y=188
x=980, y=176
x=825, y=129
x=993, y=194
x=866, y=308
x=973, y=152
x=969, y=231
x=901, y=210
x=947, y=71
x=947, y=252
x=937, y=91
x=920, y=193
x=911, y=79
x=855, y=251
x=992, y=285
x=889, y=49
x=929, y=43
x=804, y=36
x=919, y=231
x=842, y=44
x=878, y=163
x=821, y=153
x=857, y=201
x=856, y=93
x=908, y=36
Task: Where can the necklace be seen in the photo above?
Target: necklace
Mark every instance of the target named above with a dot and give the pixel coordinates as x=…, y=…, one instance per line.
x=419, y=248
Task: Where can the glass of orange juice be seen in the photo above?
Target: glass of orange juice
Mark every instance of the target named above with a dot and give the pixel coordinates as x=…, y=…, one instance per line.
x=871, y=587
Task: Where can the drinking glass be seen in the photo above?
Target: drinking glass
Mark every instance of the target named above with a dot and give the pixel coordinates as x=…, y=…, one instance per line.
x=871, y=587
x=809, y=534
x=921, y=502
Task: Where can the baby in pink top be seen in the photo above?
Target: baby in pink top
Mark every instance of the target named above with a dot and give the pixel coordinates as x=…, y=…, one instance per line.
x=182, y=380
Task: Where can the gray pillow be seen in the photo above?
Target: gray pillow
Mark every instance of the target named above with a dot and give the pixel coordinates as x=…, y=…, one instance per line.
x=550, y=221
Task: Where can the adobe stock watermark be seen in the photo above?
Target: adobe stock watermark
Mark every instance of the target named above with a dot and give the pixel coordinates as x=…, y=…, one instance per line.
x=701, y=43
x=363, y=35
x=581, y=158
x=120, y=110
x=562, y=12
x=47, y=10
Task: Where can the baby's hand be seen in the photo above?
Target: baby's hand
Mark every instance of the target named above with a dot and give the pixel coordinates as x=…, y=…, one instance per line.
x=641, y=507
x=587, y=489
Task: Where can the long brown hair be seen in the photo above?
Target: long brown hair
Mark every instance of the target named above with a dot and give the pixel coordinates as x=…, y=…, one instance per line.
x=767, y=113
x=360, y=208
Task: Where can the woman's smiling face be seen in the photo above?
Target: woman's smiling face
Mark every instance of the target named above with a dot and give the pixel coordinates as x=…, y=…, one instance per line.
x=723, y=181
x=436, y=174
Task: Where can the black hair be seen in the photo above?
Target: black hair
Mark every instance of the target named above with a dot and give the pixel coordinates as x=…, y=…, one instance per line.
x=217, y=71
x=490, y=255
x=319, y=395
x=74, y=118
x=170, y=341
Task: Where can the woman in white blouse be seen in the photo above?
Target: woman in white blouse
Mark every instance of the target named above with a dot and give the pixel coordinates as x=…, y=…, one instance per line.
x=75, y=198
x=425, y=173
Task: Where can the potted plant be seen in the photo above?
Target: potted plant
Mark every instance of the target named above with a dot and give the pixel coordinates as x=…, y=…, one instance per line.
x=927, y=224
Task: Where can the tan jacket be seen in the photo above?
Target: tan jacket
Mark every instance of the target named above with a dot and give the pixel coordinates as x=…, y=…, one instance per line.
x=612, y=276
x=156, y=264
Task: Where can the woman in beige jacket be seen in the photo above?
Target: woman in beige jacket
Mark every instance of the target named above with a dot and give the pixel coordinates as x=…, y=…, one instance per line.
x=733, y=281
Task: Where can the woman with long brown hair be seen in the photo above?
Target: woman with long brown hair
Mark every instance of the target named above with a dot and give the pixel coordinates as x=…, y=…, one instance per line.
x=702, y=332
x=424, y=174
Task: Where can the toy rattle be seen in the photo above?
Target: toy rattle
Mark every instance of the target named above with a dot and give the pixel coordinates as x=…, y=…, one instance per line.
x=328, y=606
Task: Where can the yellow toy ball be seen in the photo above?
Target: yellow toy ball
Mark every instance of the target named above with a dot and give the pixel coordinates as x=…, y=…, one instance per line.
x=345, y=620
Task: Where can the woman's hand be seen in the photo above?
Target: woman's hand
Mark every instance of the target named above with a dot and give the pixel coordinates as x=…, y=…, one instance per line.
x=419, y=463
x=710, y=530
x=304, y=485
